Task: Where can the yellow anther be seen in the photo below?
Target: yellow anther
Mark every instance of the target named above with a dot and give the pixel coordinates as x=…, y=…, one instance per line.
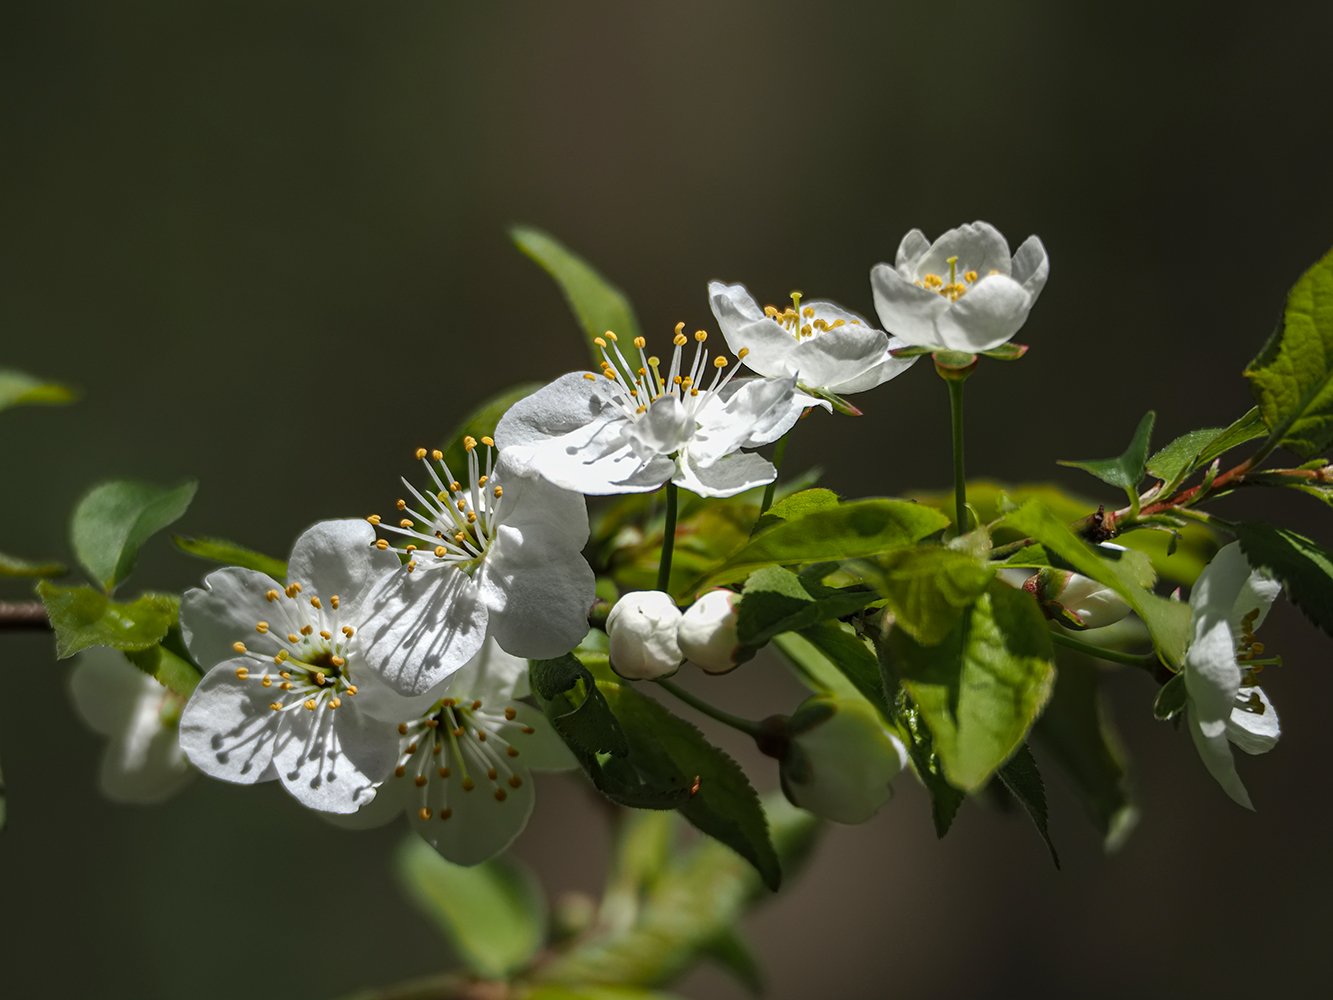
x=680, y=340
x=399, y=771
x=459, y=733
x=420, y=453
x=261, y=628
x=515, y=781
x=611, y=336
x=381, y=544
x=701, y=335
x=307, y=629
x=348, y=631
x=461, y=505
x=443, y=772
x=315, y=603
x=599, y=341
x=293, y=589
x=400, y=504
x=719, y=362
x=527, y=730
x=808, y=312
x=446, y=812
x=309, y=704
x=420, y=781
x=325, y=634
x=320, y=678
x=406, y=522
x=476, y=705
x=609, y=373
x=694, y=392
x=335, y=703
x=932, y=280
x=238, y=646
x=472, y=517
x=440, y=551
x=456, y=486
x=436, y=455
x=460, y=537
x=242, y=673
x=374, y=519
x=468, y=784
x=424, y=813
x=411, y=565
x=412, y=747
x=402, y=729
x=281, y=656
x=743, y=353
x=337, y=661
x=293, y=637
x=500, y=795
x=409, y=548
x=590, y=376
x=266, y=680
x=275, y=705
x=488, y=441
x=499, y=492
x=285, y=675
x=469, y=442
x=511, y=713
x=970, y=276
x=270, y=595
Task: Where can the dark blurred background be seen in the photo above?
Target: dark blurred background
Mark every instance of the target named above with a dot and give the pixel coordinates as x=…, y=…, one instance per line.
x=267, y=240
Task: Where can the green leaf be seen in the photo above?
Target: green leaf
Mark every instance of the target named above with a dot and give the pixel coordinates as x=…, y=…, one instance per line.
x=776, y=600
x=493, y=913
x=219, y=550
x=597, y=304
x=1023, y=780
x=1171, y=699
x=945, y=799
x=83, y=618
x=798, y=505
x=576, y=706
x=14, y=566
x=20, y=389
x=929, y=589
x=1076, y=733
x=1300, y=564
x=114, y=519
x=1198, y=448
x=173, y=672
x=1292, y=378
x=481, y=423
x=1168, y=621
x=980, y=690
x=722, y=802
x=837, y=660
x=853, y=530
x=730, y=951
x=1125, y=471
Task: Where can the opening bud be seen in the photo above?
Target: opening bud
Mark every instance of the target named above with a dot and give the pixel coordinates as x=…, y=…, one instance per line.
x=707, y=633
x=1076, y=601
x=642, y=632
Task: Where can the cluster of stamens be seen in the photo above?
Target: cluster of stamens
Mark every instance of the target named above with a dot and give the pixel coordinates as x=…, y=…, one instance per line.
x=454, y=522
x=803, y=322
x=458, y=736
x=309, y=669
x=643, y=384
x=1249, y=651
x=953, y=289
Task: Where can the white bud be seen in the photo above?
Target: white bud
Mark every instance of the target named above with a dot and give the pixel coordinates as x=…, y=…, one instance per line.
x=642, y=632
x=841, y=760
x=707, y=633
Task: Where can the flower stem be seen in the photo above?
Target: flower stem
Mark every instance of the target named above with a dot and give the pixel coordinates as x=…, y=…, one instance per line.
x=745, y=726
x=769, y=490
x=1146, y=660
x=668, y=539
x=959, y=481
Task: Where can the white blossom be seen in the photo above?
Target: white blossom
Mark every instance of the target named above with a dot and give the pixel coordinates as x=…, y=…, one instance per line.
x=841, y=760
x=641, y=630
x=640, y=423
x=827, y=349
x=961, y=293
x=493, y=554
x=707, y=631
x=280, y=698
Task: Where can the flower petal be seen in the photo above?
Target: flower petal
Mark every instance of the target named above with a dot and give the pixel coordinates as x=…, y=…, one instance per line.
x=1254, y=725
x=1031, y=266
x=540, y=750
x=467, y=827
x=331, y=759
x=769, y=348
x=979, y=247
x=228, y=730
x=106, y=689
x=533, y=505
x=492, y=675
x=727, y=476
x=748, y=413
x=538, y=595
x=987, y=316
x=839, y=356
x=225, y=612
x=1212, y=677
x=1215, y=752
x=913, y=247
x=420, y=627
x=339, y=557
x=887, y=368
x=906, y=311
x=734, y=308
x=561, y=407
x=144, y=765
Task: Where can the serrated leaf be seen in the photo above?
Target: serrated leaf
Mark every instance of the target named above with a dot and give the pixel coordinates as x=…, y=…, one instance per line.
x=722, y=803
x=1076, y=733
x=853, y=530
x=21, y=389
x=1126, y=470
x=83, y=617
x=172, y=671
x=1198, y=448
x=980, y=689
x=928, y=589
x=115, y=518
x=1168, y=621
x=945, y=799
x=576, y=707
x=1300, y=564
x=219, y=550
x=797, y=505
x=14, y=566
x=481, y=423
x=1022, y=778
x=776, y=600
x=1292, y=378
x=847, y=655
x=597, y=304
x=493, y=913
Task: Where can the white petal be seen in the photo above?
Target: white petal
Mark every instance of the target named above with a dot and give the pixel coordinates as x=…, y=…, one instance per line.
x=331, y=759
x=770, y=348
x=839, y=356
x=106, y=689
x=538, y=595
x=558, y=408
x=385, y=806
x=748, y=413
x=492, y=675
x=979, y=247
x=734, y=308
x=913, y=247
x=228, y=730
x=1031, y=266
x=225, y=612
x=1212, y=677
x=1215, y=752
x=339, y=557
x=906, y=311
x=1257, y=594
x=1219, y=587
x=1254, y=727
x=146, y=764
x=662, y=430
x=727, y=476
x=477, y=826
x=418, y=628
x=989, y=314
x=887, y=368
x=533, y=505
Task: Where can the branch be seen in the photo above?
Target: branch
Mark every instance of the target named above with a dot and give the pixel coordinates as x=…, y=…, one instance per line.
x=23, y=616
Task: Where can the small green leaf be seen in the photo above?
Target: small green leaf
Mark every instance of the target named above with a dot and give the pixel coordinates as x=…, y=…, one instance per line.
x=493, y=914
x=1292, y=378
x=776, y=600
x=219, y=550
x=481, y=423
x=1023, y=780
x=20, y=389
x=1300, y=564
x=980, y=690
x=114, y=519
x=833, y=646
x=174, y=673
x=1127, y=470
x=853, y=530
x=1076, y=733
x=798, y=505
x=14, y=566
x=1171, y=699
x=929, y=588
x=945, y=799
x=722, y=802
x=82, y=618
x=1198, y=448
x=576, y=707
x=597, y=304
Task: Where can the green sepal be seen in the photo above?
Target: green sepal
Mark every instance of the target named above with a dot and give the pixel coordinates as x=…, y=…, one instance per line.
x=1006, y=352
x=1171, y=699
x=954, y=366
x=1125, y=471
x=83, y=617
x=225, y=553
x=914, y=351
x=839, y=404
x=115, y=518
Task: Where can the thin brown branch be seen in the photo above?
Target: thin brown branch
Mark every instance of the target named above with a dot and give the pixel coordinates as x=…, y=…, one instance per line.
x=23, y=616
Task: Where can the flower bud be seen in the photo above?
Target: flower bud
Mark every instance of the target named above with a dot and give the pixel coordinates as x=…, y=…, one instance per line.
x=840, y=760
x=642, y=631
x=707, y=633
x=1076, y=601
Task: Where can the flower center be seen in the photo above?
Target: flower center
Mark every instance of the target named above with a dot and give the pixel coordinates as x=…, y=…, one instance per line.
x=1249, y=652
x=455, y=522
x=642, y=385
x=458, y=739
x=305, y=662
x=953, y=289
x=804, y=322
